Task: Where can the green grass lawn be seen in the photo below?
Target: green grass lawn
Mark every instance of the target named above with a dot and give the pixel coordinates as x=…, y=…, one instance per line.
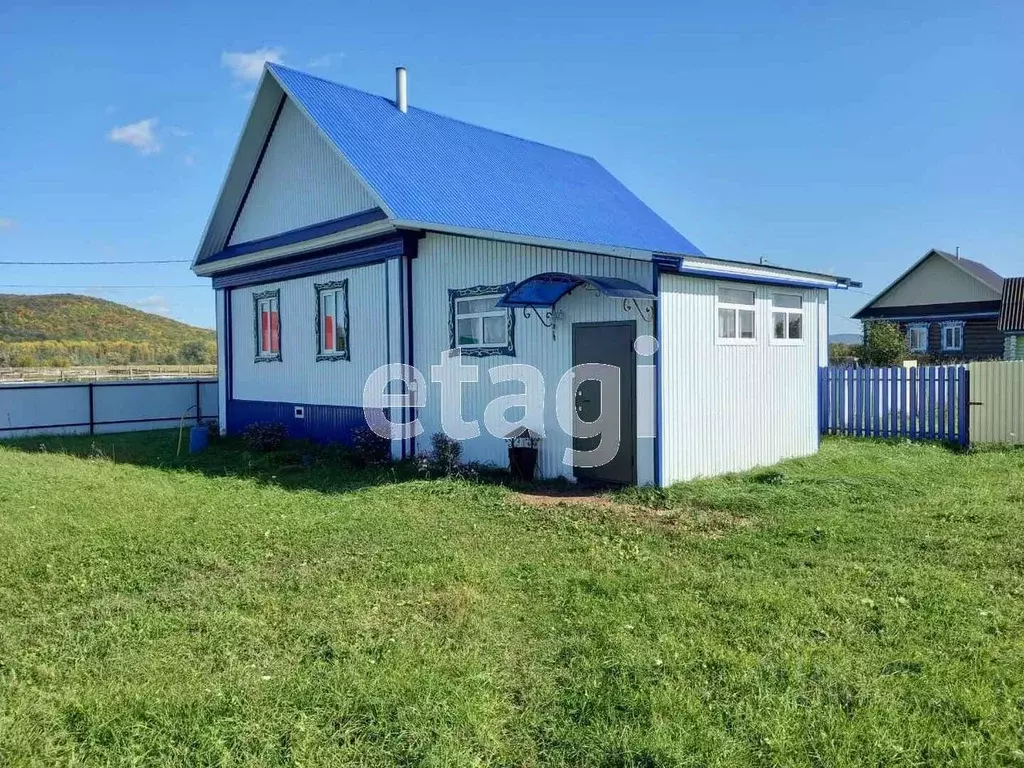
x=863, y=607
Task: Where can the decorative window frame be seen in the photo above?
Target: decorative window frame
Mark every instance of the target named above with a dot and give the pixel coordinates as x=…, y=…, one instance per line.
x=787, y=311
x=943, y=326
x=271, y=357
x=482, y=290
x=318, y=290
x=911, y=327
x=719, y=304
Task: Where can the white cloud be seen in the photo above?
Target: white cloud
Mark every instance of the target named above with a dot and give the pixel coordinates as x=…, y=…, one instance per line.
x=155, y=304
x=325, y=61
x=249, y=65
x=141, y=135
x=179, y=132
x=6, y=223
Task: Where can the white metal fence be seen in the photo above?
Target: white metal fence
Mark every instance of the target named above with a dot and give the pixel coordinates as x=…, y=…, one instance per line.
x=98, y=407
x=997, y=402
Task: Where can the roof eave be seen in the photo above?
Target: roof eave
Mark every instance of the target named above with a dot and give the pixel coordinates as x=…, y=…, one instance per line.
x=753, y=268
x=624, y=252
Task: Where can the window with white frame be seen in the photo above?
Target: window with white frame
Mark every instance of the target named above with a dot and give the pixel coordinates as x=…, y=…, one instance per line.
x=787, y=317
x=736, y=315
x=477, y=325
x=267, y=325
x=952, y=335
x=332, y=321
x=917, y=337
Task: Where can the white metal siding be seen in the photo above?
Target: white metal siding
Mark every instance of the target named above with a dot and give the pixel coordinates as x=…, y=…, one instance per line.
x=298, y=377
x=459, y=262
x=261, y=115
x=302, y=180
x=728, y=408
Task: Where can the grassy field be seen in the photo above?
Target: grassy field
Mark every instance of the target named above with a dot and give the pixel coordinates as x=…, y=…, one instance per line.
x=861, y=607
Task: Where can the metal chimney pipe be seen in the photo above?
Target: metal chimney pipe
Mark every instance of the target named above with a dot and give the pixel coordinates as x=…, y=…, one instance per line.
x=401, y=90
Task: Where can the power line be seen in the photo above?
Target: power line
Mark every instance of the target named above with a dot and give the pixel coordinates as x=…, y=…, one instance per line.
x=91, y=263
x=103, y=287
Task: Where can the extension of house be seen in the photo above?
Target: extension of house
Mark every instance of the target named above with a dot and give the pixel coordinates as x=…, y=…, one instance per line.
x=953, y=309
x=354, y=231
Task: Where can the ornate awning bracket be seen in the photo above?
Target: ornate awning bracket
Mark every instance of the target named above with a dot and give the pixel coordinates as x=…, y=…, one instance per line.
x=547, y=317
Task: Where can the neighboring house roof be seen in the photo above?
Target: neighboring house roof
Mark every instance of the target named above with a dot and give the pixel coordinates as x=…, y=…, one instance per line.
x=1011, y=314
x=431, y=169
x=987, y=276
x=975, y=269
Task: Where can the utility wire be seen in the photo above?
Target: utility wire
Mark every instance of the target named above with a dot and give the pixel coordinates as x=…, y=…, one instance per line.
x=90, y=263
x=104, y=287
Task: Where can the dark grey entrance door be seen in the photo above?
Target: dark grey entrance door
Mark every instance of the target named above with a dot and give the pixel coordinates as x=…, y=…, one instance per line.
x=610, y=344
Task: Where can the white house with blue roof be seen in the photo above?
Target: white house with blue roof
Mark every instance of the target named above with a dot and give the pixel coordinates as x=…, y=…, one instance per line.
x=354, y=232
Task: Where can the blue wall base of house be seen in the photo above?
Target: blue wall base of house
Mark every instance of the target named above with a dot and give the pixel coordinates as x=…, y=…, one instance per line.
x=319, y=423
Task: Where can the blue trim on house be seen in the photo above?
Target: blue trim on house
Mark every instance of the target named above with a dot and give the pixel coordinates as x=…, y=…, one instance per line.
x=656, y=323
x=321, y=423
x=269, y=357
x=300, y=235
x=328, y=260
x=668, y=263
x=508, y=349
x=339, y=315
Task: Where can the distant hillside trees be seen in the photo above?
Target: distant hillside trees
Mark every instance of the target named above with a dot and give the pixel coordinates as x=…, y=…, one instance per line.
x=63, y=330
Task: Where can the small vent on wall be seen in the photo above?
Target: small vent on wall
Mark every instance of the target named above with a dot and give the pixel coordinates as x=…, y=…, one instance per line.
x=300, y=412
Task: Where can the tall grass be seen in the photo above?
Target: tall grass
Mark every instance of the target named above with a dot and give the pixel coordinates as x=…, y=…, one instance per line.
x=860, y=607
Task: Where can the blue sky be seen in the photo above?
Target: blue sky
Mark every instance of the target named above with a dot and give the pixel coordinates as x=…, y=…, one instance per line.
x=848, y=138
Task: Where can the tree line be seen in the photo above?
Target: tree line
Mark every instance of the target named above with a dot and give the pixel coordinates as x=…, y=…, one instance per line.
x=65, y=354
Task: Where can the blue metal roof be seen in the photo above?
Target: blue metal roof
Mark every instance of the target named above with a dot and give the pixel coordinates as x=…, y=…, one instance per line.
x=432, y=169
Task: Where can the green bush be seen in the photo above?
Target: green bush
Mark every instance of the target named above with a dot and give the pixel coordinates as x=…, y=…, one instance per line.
x=369, y=449
x=264, y=436
x=884, y=344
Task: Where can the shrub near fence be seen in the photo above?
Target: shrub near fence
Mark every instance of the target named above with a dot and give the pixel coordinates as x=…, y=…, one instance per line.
x=925, y=403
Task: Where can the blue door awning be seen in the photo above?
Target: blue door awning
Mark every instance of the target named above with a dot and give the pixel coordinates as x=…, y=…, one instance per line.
x=545, y=290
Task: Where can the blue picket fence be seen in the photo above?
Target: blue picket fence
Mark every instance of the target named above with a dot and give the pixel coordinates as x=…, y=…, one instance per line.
x=924, y=403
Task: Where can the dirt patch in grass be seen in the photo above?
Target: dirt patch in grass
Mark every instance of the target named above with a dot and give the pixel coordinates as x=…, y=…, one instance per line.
x=546, y=497
x=711, y=523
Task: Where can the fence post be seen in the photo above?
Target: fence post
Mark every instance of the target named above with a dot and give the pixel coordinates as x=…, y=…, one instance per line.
x=199, y=407
x=92, y=410
x=965, y=408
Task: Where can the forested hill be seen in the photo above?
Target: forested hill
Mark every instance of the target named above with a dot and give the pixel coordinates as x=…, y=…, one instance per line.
x=66, y=329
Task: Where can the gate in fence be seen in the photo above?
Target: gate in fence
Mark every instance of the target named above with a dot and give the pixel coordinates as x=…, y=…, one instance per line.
x=997, y=402
x=924, y=403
